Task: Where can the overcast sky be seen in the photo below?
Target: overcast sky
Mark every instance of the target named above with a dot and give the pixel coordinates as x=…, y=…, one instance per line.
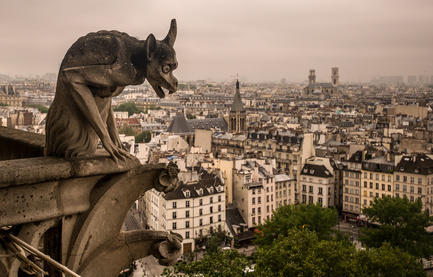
x=260, y=40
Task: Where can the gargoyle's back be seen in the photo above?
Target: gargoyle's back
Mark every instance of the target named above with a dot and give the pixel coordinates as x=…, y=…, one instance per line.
x=100, y=48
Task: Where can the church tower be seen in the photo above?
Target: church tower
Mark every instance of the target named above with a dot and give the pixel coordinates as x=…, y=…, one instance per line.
x=237, y=116
x=312, y=77
x=334, y=76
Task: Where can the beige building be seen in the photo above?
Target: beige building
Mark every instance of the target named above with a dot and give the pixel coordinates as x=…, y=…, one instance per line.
x=285, y=187
x=254, y=190
x=192, y=210
x=413, y=178
x=351, y=177
x=377, y=179
x=318, y=182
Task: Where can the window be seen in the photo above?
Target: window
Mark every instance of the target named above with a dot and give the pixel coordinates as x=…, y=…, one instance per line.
x=304, y=198
x=365, y=175
x=200, y=232
x=174, y=205
x=365, y=184
x=405, y=179
x=389, y=187
x=186, y=213
x=304, y=188
x=186, y=224
x=200, y=212
x=253, y=200
x=267, y=209
x=253, y=210
x=310, y=189
x=187, y=203
x=200, y=202
x=412, y=189
x=219, y=218
x=320, y=200
x=412, y=179
x=383, y=177
x=377, y=176
x=211, y=200
x=219, y=208
x=174, y=214
x=389, y=178
x=310, y=199
x=201, y=222
x=272, y=197
x=419, y=190
x=259, y=200
x=419, y=181
x=383, y=186
x=174, y=226
x=211, y=209
x=397, y=187
x=260, y=219
x=187, y=234
x=371, y=185
x=321, y=190
x=377, y=185
x=397, y=177
x=211, y=219
x=254, y=220
x=219, y=198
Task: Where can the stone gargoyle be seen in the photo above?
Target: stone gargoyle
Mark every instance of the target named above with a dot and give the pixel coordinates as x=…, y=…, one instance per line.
x=96, y=68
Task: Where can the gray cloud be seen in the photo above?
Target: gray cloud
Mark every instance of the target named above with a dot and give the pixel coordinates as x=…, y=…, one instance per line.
x=262, y=40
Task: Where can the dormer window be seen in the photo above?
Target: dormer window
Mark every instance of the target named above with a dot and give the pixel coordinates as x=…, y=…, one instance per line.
x=200, y=191
x=210, y=189
x=187, y=193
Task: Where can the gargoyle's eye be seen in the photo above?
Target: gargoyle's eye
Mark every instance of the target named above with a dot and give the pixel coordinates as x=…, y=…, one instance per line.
x=166, y=69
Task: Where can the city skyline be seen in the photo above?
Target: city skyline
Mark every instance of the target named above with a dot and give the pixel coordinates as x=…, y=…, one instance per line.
x=263, y=41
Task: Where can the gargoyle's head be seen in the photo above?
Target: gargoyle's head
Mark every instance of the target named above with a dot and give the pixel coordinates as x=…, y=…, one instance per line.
x=161, y=61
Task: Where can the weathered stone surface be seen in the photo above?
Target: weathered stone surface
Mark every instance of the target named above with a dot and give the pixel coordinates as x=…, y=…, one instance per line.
x=17, y=144
x=96, y=68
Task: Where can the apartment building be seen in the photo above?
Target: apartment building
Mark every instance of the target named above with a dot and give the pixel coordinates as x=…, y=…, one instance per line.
x=351, y=177
x=377, y=179
x=318, y=182
x=285, y=188
x=254, y=190
x=413, y=178
x=193, y=210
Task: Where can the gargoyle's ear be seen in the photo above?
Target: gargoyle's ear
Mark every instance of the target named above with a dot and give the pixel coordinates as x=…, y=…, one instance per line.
x=171, y=36
x=150, y=46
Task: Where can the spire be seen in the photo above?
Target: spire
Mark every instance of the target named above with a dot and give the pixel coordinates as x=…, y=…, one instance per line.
x=237, y=105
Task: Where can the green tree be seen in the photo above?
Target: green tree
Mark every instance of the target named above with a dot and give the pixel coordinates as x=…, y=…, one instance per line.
x=144, y=136
x=400, y=223
x=41, y=108
x=227, y=263
x=129, y=107
x=387, y=261
x=127, y=130
x=301, y=253
x=190, y=116
x=311, y=217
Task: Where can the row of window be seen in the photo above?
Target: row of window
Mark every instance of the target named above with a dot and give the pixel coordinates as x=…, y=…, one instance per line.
x=259, y=199
x=411, y=198
x=398, y=178
x=311, y=199
x=187, y=224
x=259, y=209
x=200, y=212
x=311, y=189
x=200, y=232
x=200, y=202
x=377, y=176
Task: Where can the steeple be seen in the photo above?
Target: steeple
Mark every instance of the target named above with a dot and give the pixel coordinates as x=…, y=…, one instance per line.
x=237, y=116
x=237, y=105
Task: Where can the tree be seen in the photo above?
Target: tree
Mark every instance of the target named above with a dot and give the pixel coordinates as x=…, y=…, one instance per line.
x=302, y=253
x=129, y=107
x=221, y=263
x=400, y=223
x=127, y=130
x=144, y=136
x=311, y=217
x=387, y=261
x=41, y=108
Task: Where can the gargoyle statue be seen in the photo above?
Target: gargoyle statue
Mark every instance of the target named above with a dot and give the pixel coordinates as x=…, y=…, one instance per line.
x=97, y=67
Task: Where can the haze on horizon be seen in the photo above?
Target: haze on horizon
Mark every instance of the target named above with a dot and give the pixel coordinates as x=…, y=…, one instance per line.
x=260, y=40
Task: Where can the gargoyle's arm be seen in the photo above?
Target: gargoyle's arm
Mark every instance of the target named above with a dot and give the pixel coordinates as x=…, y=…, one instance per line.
x=80, y=78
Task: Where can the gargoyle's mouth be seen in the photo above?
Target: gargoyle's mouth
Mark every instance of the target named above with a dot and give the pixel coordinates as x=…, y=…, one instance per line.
x=161, y=92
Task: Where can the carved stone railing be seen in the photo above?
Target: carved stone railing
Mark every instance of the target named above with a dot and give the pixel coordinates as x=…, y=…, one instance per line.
x=73, y=210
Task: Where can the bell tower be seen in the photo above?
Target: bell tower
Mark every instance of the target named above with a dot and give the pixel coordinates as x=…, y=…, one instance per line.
x=334, y=76
x=237, y=117
x=312, y=77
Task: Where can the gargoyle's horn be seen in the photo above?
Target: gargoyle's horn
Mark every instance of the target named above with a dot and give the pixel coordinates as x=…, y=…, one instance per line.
x=171, y=36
